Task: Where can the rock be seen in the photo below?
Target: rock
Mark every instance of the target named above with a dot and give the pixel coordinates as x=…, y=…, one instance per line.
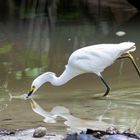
x=40, y=132
x=80, y=137
x=112, y=130
x=86, y=137
x=117, y=137
x=25, y=132
x=71, y=137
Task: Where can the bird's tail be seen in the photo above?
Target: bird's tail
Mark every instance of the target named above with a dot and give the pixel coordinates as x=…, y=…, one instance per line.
x=128, y=47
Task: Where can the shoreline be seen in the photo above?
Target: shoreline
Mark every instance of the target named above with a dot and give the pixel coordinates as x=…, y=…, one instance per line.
x=41, y=133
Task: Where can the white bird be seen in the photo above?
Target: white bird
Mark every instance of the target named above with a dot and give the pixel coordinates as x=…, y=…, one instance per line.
x=91, y=59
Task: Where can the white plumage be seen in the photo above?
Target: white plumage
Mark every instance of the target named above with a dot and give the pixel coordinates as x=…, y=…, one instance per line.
x=91, y=59
x=96, y=58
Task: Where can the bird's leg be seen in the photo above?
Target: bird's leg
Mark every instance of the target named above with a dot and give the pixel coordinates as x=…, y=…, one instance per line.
x=105, y=83
x=132, y=60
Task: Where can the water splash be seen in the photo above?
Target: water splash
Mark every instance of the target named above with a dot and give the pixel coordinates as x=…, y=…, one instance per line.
x=22, y=97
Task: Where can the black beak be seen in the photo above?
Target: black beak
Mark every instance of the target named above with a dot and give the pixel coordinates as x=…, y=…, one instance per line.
x=30, y=93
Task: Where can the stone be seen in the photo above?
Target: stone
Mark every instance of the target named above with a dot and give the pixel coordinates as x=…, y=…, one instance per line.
x=112, y=130
x=40, y=132
x=80, y=137
x=117, y=137
x=86, y=137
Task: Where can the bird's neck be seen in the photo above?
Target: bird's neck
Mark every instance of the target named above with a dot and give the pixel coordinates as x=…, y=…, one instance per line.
x=67, y=75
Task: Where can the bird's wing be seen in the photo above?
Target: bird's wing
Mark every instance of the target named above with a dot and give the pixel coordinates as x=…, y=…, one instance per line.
x=93, y=58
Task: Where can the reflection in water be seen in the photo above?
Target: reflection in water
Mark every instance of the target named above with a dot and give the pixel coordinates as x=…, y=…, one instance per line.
x=121, y=109
x=74, y=123
x=49, y=116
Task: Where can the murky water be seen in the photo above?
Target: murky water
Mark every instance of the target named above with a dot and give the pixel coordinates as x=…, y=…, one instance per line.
x=30, y=47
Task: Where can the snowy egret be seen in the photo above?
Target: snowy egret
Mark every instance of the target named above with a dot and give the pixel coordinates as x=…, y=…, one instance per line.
x=91, y=59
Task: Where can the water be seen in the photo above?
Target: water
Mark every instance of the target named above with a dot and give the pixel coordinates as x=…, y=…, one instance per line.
x=34, y=45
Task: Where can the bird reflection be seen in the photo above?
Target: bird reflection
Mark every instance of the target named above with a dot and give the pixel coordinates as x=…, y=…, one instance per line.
x=49, y=117
x=74, y=124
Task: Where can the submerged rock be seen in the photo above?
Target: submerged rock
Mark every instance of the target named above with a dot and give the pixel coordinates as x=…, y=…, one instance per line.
x=117, y=137
x=7, y=132
x=112, y=130
x=110, y=134
x=40, y=132
x=80, y=137
x=90, y=137
x=86, y=137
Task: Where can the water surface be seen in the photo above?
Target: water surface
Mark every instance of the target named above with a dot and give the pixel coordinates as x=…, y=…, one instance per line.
x=32, y=45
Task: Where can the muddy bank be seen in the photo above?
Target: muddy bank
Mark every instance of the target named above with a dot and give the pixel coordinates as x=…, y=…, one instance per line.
x=30, y=134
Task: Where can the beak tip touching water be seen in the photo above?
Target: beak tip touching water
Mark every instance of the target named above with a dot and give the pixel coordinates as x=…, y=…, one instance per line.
x=27, y=97
x=29, y=94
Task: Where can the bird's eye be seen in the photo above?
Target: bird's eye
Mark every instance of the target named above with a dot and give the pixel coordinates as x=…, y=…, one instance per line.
x=33, y=88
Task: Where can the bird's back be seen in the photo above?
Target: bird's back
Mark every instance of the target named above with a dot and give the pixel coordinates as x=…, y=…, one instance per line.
x=96, y=58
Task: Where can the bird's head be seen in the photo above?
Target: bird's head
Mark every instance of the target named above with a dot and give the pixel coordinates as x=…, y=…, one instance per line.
x=34, y=87
x=39, y=81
